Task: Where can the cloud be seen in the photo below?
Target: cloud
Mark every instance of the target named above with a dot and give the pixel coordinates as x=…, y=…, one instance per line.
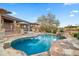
x=71, y=15
x=48, y=9
x=13, y=12
x=68, y=4
x=74, y=11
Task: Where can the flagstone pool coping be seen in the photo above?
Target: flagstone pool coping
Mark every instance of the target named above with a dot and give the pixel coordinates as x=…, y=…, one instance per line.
x=13, y=52
x=10, y=39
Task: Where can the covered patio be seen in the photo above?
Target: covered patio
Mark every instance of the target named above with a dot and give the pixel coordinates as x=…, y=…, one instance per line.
x=10, y=25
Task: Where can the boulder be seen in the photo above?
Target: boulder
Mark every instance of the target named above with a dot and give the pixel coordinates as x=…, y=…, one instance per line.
x=76, y=52
x=14, y=52
x=6, y=45
x=75, y=43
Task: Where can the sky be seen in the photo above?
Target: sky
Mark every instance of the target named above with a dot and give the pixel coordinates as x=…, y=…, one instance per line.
x=66, y=13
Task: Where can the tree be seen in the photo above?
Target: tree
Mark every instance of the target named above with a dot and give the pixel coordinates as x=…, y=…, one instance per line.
x=48, y=23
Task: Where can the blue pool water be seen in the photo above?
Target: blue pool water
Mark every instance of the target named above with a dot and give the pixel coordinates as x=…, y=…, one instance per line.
x=34, y=45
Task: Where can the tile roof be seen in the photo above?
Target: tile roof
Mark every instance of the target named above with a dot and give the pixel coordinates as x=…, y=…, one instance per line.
x=3, y=11
x=13, y=18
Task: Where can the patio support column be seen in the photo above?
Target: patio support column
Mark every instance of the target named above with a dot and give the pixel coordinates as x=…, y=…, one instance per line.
x=0, y=23
x=19, y=28
x=2, y=33
x=29, y=27
x=14, y=23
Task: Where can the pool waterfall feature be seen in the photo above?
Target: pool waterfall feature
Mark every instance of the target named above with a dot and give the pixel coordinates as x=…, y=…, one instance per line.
x=34, y=45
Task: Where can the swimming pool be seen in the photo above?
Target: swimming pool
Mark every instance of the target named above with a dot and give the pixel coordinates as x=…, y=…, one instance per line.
x=34, y=45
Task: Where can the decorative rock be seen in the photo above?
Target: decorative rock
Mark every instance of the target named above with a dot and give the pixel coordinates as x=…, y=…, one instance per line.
x=76, y=43
x=13, y=52
x=76, y=52
x=68, y=52
x=6, y=45
x=71, y=52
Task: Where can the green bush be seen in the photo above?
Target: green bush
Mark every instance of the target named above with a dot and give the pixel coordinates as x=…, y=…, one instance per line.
x=61, y=30
x=55, y=31
x=61, y=37
x=76, y=35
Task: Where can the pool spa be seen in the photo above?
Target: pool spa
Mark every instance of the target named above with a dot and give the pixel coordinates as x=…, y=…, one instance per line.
x=34, y=45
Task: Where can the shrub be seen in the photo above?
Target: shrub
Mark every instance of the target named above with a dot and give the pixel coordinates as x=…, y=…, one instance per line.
x=76, y=35
x=61, y=30
x=55, y=31
x=61, y=37
x=6, y=45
